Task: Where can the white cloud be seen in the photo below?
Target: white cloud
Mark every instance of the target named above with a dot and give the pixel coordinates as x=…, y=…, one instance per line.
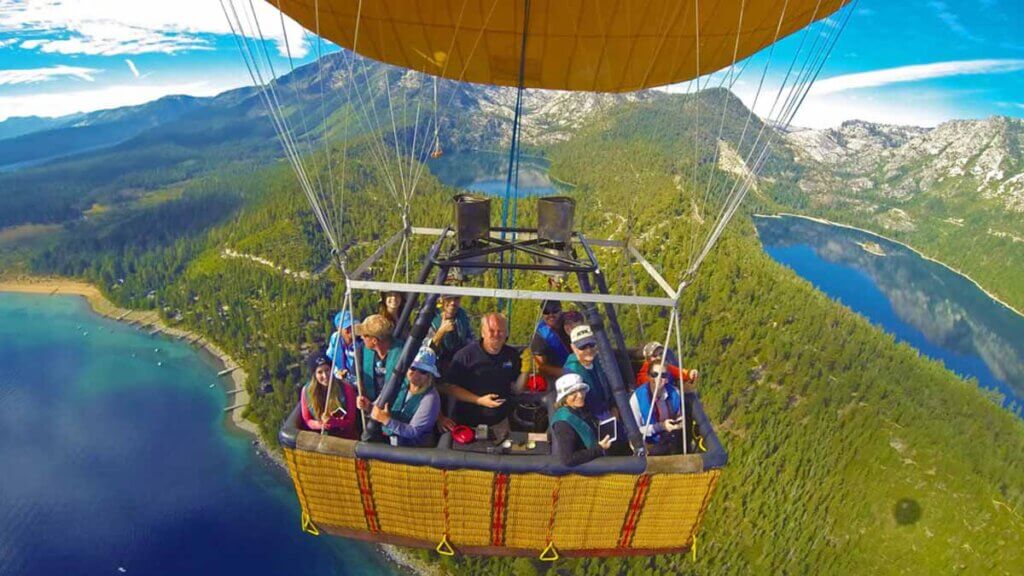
x=834, y=109
x=952, y=21
x=131, y=66
x=113, y=27
x=62, y=103
x=33, y=75
x=877, y=78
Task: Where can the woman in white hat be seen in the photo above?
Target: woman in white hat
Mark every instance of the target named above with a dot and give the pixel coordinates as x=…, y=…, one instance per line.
x=573, y=430
x=410, y=420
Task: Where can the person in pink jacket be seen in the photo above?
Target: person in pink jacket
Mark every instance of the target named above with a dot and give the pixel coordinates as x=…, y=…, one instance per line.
x=336, y=414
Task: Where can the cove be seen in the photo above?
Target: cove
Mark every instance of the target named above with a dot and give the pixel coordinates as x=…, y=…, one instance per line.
x=486, y=173
x=937, y=311
x=116, y=458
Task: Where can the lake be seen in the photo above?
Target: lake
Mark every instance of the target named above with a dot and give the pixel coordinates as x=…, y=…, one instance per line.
x=487, y=173
x=937, y=311
x=116, y=458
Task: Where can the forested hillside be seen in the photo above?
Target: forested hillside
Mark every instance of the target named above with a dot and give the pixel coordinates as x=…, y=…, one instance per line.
x=849, y=454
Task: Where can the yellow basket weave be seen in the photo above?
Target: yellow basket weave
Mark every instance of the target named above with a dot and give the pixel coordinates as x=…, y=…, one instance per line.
x=494, y=513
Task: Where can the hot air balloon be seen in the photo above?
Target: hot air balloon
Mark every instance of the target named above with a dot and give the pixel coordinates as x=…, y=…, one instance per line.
x=490, y=500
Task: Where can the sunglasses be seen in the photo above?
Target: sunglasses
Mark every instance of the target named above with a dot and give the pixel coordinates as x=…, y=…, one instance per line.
x=587, y=346
x=418, y=370
x=657, y=374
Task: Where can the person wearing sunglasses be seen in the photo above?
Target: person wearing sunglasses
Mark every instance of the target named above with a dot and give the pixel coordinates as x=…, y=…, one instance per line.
x=584, y=361
x=655, y=352
x=410, y=419
x=657, y=408
x=550, y=344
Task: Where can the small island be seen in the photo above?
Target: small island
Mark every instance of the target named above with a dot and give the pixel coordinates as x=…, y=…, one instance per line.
x=872, y=248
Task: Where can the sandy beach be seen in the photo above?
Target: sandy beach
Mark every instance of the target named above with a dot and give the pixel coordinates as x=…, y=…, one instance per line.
x=147, y=320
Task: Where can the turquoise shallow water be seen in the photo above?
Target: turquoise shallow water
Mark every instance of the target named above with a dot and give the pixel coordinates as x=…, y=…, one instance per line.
x=111, y=460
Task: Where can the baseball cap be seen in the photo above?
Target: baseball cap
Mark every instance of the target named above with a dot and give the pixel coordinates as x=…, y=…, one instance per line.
x=582, y=335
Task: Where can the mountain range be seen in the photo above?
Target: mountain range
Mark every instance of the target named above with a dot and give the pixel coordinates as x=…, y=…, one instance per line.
x=926, y=186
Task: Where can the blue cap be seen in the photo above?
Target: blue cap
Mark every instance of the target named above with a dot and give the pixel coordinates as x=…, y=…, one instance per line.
x=343, y=319
x=426, y=360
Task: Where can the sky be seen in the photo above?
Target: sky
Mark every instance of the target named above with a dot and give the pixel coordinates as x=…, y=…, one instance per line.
x=916, y=62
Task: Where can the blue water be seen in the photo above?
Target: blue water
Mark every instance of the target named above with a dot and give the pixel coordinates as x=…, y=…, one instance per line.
x=922, y=303
x=487, y=173
x=111, y=461
x=496, y=187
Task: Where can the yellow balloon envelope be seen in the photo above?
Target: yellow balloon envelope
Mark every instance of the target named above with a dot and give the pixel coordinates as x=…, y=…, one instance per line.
x=585, y=45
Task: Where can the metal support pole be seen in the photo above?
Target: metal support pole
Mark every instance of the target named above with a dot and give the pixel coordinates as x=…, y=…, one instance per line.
x=625, y=367
x=409, y=350
x=410, y=299
x=614, y=376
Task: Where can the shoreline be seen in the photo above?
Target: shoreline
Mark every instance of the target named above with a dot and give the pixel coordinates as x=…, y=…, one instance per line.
x=150, y=321
x=907, y=246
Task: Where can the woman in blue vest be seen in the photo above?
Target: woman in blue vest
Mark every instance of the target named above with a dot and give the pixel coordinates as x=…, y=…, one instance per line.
x=573, y=430
x=657, y=408
x=409, y=421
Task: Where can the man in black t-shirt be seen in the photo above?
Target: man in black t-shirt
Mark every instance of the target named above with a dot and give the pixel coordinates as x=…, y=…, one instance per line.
x=482, y=376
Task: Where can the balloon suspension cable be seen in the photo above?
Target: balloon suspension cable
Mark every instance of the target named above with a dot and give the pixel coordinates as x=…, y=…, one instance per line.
x=265, y=88
x=803, y=70
x=357, y=365
x=339, y=349
x=682, y=392
x=512, y=179
x=436, y=152
x=657, y=383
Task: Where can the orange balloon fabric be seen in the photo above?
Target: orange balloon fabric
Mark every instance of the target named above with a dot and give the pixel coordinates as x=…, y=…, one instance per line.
x=583, y=45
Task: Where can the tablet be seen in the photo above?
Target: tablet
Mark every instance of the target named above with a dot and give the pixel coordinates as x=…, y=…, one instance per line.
x=607, y=428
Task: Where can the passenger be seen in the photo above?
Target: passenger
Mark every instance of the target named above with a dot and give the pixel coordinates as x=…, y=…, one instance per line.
x=573, y=429
x=653, y=353
x=380, y=353
x=450, y=330
x=411, y=417
x=390, y=306
x=570, y=320
x=336, y=414
x=584, y=361
x=661, y=423
x=482, y=378
x=344, y=366
x=550, y=344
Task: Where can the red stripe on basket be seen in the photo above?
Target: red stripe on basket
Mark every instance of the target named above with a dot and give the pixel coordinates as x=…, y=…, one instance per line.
x=636, y=506
x=366, y=495
x=499, y=505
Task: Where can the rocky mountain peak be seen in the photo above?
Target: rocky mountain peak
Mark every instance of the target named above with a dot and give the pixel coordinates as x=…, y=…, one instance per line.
x=983, y=156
